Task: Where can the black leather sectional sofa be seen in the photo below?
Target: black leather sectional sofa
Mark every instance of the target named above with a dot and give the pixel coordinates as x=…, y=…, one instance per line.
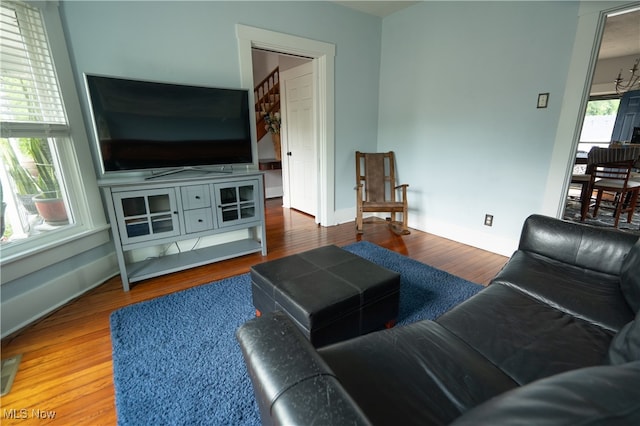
x=554, y=339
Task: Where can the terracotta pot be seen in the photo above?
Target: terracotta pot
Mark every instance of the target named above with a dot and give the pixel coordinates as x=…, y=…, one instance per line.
x=52, y=210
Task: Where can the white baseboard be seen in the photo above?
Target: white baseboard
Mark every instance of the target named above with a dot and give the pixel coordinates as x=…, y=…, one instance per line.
x=27, y=307
x=471, y=237
x=273, y=192
x=344, y=215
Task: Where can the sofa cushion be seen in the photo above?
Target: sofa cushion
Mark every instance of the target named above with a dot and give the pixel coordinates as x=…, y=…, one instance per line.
x=625, y=346
x=603, y=395
x=418, y=374
x=526, y=339
x=598, y=249
x=630, y=277
x=575, y=290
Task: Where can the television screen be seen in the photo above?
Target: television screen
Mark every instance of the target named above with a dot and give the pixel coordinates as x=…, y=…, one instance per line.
x=148, y=125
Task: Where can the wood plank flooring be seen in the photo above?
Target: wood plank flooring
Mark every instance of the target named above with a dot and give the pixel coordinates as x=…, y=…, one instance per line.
x=66, y=368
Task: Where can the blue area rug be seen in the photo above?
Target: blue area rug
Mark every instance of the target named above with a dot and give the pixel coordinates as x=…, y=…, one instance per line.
x=176, y=359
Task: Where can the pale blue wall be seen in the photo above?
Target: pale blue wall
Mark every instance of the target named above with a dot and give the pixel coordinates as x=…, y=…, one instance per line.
x=458, y=90
x=195, y=42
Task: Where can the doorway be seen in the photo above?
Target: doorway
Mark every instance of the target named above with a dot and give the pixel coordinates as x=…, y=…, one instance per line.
x=618, y=49
x=323, y=58
x=293, y=175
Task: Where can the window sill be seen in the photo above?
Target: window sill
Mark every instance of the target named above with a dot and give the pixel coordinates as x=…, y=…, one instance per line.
x=67, y=244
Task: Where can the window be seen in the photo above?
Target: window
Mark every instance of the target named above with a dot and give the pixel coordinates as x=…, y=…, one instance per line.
x=33, y=125
x=599, y=120
x=45, y=190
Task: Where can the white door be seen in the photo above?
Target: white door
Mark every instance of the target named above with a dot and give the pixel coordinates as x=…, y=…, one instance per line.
x=299, y=139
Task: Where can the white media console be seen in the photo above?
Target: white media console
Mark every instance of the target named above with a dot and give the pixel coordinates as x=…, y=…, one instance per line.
x=174, y=222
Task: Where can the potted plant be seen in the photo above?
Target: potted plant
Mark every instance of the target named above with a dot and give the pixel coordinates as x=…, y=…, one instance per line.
x=49, y=201
x=24, y=183
x=272, y=125
x=36, y=184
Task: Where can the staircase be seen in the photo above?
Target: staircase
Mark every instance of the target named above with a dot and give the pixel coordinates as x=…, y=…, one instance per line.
x=267, y=96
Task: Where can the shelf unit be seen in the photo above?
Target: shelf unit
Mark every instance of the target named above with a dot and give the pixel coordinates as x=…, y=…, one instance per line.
x=270, y=164
x=217, y=216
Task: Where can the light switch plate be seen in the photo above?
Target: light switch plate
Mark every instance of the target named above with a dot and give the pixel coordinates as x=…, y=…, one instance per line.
x=543, y=100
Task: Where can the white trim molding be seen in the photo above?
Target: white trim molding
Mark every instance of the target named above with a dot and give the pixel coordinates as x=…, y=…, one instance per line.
x=323, y=55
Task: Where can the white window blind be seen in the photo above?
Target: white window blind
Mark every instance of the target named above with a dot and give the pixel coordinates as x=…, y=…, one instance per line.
x=30, y=99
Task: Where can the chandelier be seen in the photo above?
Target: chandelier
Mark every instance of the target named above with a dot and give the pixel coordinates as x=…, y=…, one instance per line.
x=634, y=80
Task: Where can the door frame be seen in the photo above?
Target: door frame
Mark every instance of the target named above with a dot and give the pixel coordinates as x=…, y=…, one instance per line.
x=323, y=58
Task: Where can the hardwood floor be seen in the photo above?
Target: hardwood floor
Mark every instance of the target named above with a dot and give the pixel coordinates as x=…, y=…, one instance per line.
x=66, y=366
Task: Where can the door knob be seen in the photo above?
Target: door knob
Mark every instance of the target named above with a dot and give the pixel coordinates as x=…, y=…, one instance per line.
x=289, y=153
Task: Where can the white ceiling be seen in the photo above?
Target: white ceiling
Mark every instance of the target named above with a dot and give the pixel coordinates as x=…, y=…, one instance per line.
x=621, y=36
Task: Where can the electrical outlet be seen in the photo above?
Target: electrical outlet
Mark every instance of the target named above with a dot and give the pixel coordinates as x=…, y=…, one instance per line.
x=488, y=220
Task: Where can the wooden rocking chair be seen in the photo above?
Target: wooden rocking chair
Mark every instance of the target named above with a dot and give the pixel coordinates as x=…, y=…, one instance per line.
x=376, y=186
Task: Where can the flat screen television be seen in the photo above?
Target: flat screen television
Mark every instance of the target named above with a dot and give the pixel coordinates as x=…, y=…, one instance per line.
x=142, y=125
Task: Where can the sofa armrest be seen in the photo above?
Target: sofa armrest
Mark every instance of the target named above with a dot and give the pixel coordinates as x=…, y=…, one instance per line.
x=293, y=385
x=597, y=249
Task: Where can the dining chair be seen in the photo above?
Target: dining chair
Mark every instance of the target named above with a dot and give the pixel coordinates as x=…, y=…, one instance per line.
x=614, y=177
x=580, y=178
x=376, y=190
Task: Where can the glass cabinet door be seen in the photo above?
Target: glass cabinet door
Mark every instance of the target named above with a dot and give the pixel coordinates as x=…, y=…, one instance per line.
x=236, y=202
x=147, y=215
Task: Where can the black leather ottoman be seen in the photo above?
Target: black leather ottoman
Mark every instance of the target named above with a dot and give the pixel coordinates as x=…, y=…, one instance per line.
x=329, y=293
